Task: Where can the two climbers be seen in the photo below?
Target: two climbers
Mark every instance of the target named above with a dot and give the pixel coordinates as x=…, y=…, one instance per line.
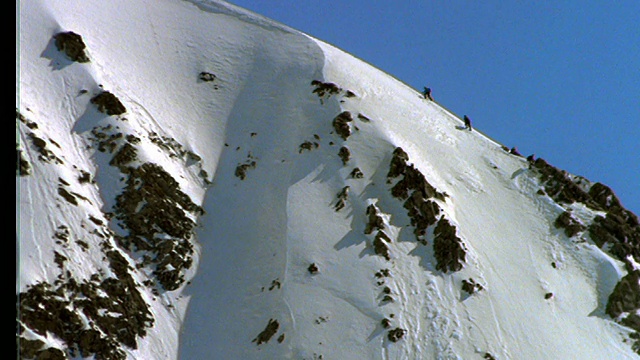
x=427, y=95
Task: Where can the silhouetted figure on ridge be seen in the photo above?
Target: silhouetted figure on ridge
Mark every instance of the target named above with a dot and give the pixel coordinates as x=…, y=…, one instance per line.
x=467, y=123
x=427, y=93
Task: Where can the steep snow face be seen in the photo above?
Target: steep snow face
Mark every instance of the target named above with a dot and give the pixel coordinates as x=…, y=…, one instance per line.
x=203, y=183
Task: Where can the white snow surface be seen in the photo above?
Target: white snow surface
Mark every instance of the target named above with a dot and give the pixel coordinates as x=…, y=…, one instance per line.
x=258, y=236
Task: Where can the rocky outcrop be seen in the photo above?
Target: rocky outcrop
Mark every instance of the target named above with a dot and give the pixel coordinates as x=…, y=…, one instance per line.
x=206, y=76
x=341, y=124
x=420, y=201
x=624, y=304
x=448, y=248
x=381, y=245
x=356, y=173
x=23, y=168
x=570, y=225
x=72, y=45
x=423, y=213
x=604, y=196
x=375, y=221
x=625, y=297
x=470, y=286
x=117, y=313
x=344, y=154
x=343, y=195
x=398, y=163
x=267, y=333
x=325, y=89
x=415, y=190
x=617, y=232
x=396, y=334
x=108, y=103
x=241, y=169
x=619, y=229
x=559, y=186
x=155, y=212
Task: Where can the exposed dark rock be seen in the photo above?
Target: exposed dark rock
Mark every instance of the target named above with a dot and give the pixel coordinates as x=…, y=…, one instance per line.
x=267, y=333
x=559, y=186
x=471, y=286
x=72, y=45
x=23, y=167
x=55, y=310
x=570, y=225
x=108, y=103
x=624, y=303
x=275, y=284
x=46, y=155
x=548, y=295
x=449, y=250
x=241, y=169
x=383, y=273
x=625, y=296
x=308, y=145
x=105, y=139
x=488, y=356
x=29, y=348
x=380, y=245
x=125, y=156
x=59, y=259
x=65, y=194
x=323, y=89
x=344, y=154
x=375, y=221
x=154, y=211
x=632, y=321
x=343, y=195
x=363, y=118
x=84, y=177
x=619, y=230
x=423, y=213
x=206, y=76
x=387, y=298
x=604, y=196
x=413, y=179
x=170, y=145
x=313, y=268
x=356, y=173
x=396, y=334
x=50, y=354
x=398, y=163
x=341, y=124
x=386, y=323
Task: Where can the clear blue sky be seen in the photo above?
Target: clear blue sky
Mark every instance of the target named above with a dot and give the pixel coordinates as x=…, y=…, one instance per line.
x=558, y=79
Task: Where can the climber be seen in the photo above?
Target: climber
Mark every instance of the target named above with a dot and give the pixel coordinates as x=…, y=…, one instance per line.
x=427, y=93
x=467, y=123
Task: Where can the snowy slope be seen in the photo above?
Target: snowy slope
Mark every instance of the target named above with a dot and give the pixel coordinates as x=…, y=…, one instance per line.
x=208, y=218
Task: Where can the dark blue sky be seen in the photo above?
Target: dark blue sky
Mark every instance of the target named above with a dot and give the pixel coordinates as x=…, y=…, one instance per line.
x=559, y=79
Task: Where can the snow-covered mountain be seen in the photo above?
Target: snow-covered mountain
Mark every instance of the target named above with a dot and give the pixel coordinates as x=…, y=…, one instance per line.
x=196, y=181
